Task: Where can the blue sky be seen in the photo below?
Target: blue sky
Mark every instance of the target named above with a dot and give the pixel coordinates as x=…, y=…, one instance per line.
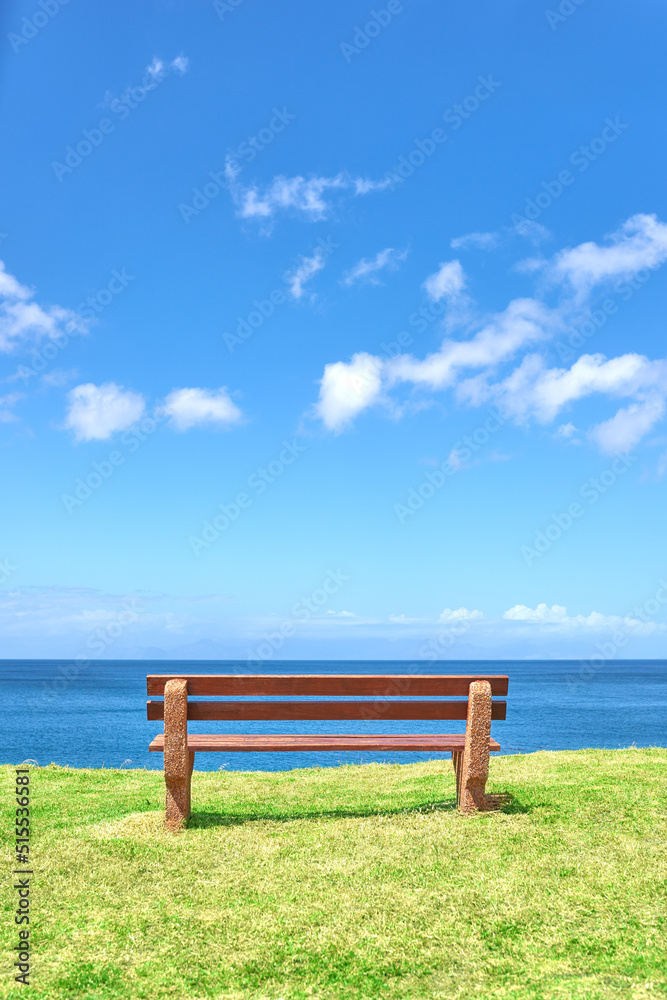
x=330, y=333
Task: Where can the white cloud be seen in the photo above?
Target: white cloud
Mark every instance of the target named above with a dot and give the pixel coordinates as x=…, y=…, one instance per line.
x=524, y=321
x=303, y=195
x=558, y=617
x=460, y=615
x=11, y=288
x=542, y=613
x=364, y=186
x=566, y=431
x=533, y=231
x=155, y=68
x=308, y=267
x=187, y=408
x=347, y=389
x=342, y=614
x=554, y=388
x=368, y=267
x=531, y=391
x=640, y=242
x=180, y=64
x=447, y=282
x=626, y=428
x=154, y=73
x=24, y=320
x=307, y=196
x=98, y=411
x=477, y=241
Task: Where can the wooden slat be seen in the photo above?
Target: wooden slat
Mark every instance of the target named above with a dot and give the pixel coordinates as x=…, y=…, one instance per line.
x=241, y=711
x=329, y=685
x=260, y=744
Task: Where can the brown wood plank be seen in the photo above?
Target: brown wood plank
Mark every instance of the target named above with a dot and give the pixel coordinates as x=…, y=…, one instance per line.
x=257, y=744
x=239, y=711
x=331, y=685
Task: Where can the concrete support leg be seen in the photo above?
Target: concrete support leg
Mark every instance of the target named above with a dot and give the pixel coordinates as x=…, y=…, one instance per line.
x=178, y=760
x=473, y=768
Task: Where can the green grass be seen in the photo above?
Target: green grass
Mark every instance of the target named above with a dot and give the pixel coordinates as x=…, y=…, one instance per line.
x=349, y=882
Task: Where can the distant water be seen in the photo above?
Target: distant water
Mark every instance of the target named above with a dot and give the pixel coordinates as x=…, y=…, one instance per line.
x=99, y=717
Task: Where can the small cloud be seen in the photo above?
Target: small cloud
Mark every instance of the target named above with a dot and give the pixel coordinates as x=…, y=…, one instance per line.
x=368, y=267
x=304, y=195
x=460, y=615
x=447, y=282
x=363, y=186
x=155, y=68
x=477, y=241
x=639, y=243
x=98, y=411
x=348, y=388
x=576, y=624
x=402, y=620
x=566, y=432
x=533, y=231
x=22, y=319
x=622, y=432
x=542, y=613
x=342, y=614
x=11, y=288
x=180, y=64
x=187, y=408
x=308, y=267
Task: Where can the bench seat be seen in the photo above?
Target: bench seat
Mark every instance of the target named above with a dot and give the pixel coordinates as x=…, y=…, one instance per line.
x=436, y=743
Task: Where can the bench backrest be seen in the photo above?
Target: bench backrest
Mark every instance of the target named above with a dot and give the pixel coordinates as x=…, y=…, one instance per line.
x=394, y=696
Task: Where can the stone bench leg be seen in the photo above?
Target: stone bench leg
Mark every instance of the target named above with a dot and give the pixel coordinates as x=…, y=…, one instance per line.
x=178, y=760
x=472, y=764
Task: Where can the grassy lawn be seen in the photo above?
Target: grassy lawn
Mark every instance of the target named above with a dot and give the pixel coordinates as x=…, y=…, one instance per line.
x=349, y=882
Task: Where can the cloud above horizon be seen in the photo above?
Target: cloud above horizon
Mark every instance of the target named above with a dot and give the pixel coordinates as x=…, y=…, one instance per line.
x=36, y=617
x=307, y=197
x=304, y=271
x=595, y=621
x=97, y=412
x=460, y=615
x=530, y=391
x=188, y=408
x=476, y=241
x=24, y=321
x=368, y=268
x=447, y=282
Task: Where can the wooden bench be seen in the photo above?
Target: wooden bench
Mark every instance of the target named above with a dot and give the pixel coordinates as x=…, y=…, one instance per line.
x=391, y=696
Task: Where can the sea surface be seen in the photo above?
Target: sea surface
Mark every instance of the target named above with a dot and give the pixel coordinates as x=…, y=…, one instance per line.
x=53, y=711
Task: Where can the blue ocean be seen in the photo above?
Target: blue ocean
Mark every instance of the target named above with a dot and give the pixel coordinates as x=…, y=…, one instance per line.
x=96, y=716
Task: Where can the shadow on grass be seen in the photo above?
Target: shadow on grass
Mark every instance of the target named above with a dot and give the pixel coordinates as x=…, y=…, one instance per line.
x=508, y=804
x=201, y=820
